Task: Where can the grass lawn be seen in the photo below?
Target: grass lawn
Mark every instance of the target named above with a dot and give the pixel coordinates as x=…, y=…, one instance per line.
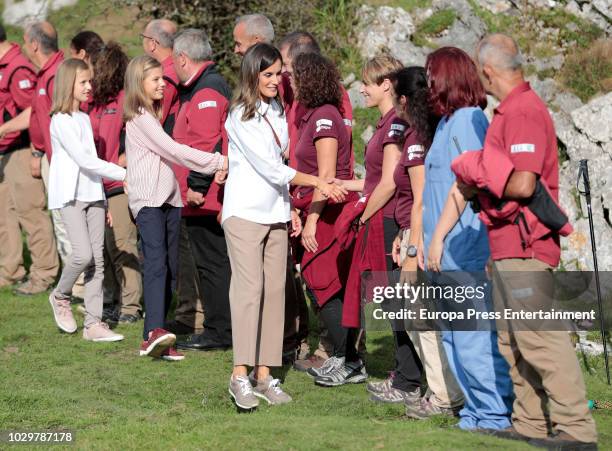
x=113, y=399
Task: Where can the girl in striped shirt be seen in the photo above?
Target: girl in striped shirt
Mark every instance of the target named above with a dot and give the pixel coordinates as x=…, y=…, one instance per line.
x=154, y=196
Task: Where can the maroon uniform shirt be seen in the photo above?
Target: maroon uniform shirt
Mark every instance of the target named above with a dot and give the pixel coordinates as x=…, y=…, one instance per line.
x=413, y=154
x=17, y=82
x=40, y=121
x=523, y=128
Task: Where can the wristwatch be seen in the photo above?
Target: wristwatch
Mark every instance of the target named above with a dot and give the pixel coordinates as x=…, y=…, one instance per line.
x=411, y=251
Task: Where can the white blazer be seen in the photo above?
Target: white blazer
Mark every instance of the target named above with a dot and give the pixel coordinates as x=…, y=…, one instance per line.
x=76, y=172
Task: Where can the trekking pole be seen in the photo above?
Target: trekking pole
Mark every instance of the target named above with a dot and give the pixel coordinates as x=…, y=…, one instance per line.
x=583, y=174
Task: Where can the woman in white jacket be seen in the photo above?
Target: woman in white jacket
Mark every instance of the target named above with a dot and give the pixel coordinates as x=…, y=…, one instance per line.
x=75, y=188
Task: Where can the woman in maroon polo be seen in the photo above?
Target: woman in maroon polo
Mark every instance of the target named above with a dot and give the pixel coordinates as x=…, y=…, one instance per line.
x=324, y=150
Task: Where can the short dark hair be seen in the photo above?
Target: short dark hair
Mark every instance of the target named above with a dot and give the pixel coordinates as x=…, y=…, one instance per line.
x=453, y=81
x=90, y=41
x=46, y=41
x=2, y=33
x=299, y=42
x=317, y=81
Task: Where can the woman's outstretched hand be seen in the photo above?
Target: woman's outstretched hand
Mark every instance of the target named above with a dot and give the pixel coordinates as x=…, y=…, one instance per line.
x=332, y=190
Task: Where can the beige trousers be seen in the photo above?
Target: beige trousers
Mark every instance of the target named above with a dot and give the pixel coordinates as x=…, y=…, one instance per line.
x=258, y=256
x=443, y=390
x=23, y=205
x=548, y=383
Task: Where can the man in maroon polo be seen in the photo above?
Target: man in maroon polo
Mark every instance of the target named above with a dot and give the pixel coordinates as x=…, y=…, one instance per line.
x=550, y=407
x=203, y=105
x=22, y=197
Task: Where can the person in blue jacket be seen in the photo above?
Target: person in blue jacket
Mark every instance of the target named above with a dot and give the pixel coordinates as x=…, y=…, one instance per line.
x=455, y=240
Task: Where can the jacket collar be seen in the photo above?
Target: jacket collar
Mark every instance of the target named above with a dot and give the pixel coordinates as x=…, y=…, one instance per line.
x=516, y=92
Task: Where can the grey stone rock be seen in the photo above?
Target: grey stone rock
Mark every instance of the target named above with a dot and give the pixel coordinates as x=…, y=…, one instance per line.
x=466, y=30
x=597, y=12
x=357, y=100
x=496, y=6
x=567, y=102
x=554, y=62
x=595, y=119
x=18, y=12
x=367, y=134
x=578, y=145
x=546, y=89
x=382, y=28
x=359, y=171
x=350, y=78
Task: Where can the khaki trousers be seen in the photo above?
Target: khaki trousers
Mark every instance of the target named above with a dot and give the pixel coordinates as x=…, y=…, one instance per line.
x=443, y=390
x=548, y=384
x=189, y=309
x=258, y=256
x=23, y=205
x=122, y=264
x=64, y=249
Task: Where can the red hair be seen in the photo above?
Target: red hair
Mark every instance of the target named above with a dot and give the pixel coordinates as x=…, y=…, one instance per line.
x=453, y=81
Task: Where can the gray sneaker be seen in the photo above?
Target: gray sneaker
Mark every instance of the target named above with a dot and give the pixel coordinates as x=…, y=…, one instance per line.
x=62, y=313
x=348, y=373
x=242, y=391
x=425, y=409
x=396, y=396
x=32, y=287
x=328, y=366
x=380, y=386
x=270, y=390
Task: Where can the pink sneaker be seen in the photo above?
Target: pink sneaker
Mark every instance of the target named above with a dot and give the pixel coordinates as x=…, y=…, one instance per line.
x=63, y=314
x=159, y=340
x=100, y=332
x=172, y=355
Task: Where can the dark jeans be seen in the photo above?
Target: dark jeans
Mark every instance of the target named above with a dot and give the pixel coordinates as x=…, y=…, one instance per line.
x=408, y=366
x=344, y=340
x=159, y=229
x=212, y=262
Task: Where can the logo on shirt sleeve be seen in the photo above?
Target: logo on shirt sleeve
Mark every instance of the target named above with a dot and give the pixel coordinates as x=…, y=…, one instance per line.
x=522, y=148
x=415, y=151
x=347, y=122
x=396, y=130
x=324, y=124
x=207, y=104
x=25, y=84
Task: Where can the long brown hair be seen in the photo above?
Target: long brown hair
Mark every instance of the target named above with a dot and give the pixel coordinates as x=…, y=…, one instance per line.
x=257, y=59
x=63, y=87
x=108, y=73
x=135, y=98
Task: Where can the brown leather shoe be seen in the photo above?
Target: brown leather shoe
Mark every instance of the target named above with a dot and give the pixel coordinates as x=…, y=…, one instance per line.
x=314, y=361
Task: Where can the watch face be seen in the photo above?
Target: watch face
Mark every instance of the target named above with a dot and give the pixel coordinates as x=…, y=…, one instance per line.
x=412, y=251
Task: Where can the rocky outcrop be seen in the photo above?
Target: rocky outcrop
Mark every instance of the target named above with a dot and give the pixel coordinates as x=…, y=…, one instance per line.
x=18, y=12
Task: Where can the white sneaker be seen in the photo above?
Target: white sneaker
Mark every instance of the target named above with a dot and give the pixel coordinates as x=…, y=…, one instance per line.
x=62, y=313
x=100, y=332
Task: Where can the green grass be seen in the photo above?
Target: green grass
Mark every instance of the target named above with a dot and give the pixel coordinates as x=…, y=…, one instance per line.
x=436, y=23
x=113, y=399
x=362, y=117
x=408, y=5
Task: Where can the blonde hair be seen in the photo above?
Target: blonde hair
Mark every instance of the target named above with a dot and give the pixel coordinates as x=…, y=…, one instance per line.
x=377, y=69
x=135, y=97
x=63, y=85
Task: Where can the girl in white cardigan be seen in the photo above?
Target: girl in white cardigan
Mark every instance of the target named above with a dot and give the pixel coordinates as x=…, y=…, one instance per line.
x=75, y=188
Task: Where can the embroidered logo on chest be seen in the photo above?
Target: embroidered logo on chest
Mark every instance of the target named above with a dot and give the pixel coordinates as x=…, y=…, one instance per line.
x=207, y=104
x=42, y=92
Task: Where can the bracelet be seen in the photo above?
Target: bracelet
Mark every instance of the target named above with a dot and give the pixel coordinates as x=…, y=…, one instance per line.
x=37, y=153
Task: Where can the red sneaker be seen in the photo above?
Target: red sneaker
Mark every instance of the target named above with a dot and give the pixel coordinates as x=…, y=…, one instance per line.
x=172, y=355
x=159, y=340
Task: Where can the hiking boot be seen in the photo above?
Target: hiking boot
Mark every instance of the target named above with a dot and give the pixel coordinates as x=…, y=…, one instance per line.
x=347, y=373
x=563, y=441
x=6, y=283
x=159, y=340
x=172, y=355
x=270, y=390
x=381, y=386
x=425, y=409
x=327, y=367
x=100, y=332
x=241, y=391
x=313, y=361
x=396, y=396
x=127, y=318
x=62, y=313
x=110, y=314
x=32, y=287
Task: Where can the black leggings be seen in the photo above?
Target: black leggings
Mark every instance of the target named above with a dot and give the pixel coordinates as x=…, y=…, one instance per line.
x=344, y=340
x=408, y=366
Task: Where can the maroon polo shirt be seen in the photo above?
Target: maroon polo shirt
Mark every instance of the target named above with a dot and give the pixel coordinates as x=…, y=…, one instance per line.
x=107, y=125
x=40, y=121
x=17, y=81
x=523, y=128
x=389, y=130
x=322, y=122
x=413, y=154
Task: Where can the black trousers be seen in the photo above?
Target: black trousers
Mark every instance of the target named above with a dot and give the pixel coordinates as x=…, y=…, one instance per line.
x=408, y=366
x=212, y=262
x=343, y=340
x=159, y=229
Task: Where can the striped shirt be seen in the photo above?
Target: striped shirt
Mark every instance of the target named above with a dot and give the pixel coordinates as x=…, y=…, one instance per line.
x=150, y=156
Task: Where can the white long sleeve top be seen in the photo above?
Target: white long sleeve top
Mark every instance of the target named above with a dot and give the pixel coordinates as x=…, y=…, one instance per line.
x=76, y=172
x=257, y=187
